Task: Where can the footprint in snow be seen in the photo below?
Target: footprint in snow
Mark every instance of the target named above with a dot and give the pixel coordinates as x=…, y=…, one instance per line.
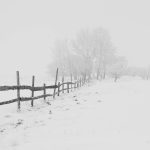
x=20, y=122
x=48, y=103
x=50, y=112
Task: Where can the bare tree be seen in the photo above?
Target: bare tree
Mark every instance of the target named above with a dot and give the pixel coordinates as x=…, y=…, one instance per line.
x=83, y=48
x=103, y=51
x=61, y=57
x=90, y=52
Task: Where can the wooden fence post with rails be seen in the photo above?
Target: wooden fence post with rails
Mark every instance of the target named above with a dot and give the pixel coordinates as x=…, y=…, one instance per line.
x=66, y=86
x=18, y=89
x=44, y=90
x=62, y=84
x=55, y=83
x=32, y=94
x=58, y=88
x=71, y=82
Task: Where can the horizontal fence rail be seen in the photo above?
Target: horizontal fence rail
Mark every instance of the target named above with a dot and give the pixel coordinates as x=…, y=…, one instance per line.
x=26, y=87
x=60, y=87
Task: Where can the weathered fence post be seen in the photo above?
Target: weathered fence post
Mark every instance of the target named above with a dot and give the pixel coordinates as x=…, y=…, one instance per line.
x=68, y=87
x=77, y=83
x=44, y=91
x=32, y=94
x=58, y=88
x=62, y=84
x=71, y=82
x=55, y=83
x=18, y=89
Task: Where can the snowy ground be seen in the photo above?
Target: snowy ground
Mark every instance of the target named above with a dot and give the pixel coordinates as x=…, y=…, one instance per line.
x=104, y=115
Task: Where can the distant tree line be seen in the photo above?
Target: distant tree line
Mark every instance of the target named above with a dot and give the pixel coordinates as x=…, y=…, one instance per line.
x=90, y=54
x=143, y=72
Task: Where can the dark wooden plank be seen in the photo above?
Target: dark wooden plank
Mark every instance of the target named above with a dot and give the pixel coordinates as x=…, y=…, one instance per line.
x=18, y=90
x=71, y=82
x=66, y=83
x=9, y=101
x=62, y=84
x=25, y=87
x=55, y=83
x=34, y=98
x=22, y=99
x=58, y=89
x=44, y=90
x=68, y=87
x=32, y=94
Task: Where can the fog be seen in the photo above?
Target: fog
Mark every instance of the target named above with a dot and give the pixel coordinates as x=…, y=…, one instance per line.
x=101, y=95
x=29, y=28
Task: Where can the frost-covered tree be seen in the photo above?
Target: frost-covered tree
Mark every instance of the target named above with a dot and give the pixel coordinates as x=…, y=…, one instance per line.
x=61, y=58
x=96, y=49
x=83, y=48
x=90, y=52
x=103, y=51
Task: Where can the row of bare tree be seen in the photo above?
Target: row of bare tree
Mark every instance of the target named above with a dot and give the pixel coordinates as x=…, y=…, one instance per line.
x=90, y=53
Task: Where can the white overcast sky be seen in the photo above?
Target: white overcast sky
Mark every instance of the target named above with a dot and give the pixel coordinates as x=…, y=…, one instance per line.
x=29, y=27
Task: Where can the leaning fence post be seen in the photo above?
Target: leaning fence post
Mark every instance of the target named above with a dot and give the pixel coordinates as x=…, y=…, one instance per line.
x=71, y=82
x=68, y=87
x=44, y=90
x=62, y=84
x=32, y=94
x=55, y=83
x=18, y=89
x=58, y=88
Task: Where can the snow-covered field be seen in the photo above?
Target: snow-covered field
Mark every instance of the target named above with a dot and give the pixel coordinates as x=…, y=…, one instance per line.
x=99, y=116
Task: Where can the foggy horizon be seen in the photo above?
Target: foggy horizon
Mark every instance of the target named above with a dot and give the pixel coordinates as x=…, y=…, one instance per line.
x=28, y=30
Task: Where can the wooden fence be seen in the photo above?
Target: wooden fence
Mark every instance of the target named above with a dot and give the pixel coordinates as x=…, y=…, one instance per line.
x=57, y=87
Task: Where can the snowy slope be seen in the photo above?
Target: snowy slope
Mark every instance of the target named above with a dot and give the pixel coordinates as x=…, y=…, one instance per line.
x=103, y=115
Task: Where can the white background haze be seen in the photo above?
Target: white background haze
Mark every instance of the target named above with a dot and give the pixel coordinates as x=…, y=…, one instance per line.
x=29, y=28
